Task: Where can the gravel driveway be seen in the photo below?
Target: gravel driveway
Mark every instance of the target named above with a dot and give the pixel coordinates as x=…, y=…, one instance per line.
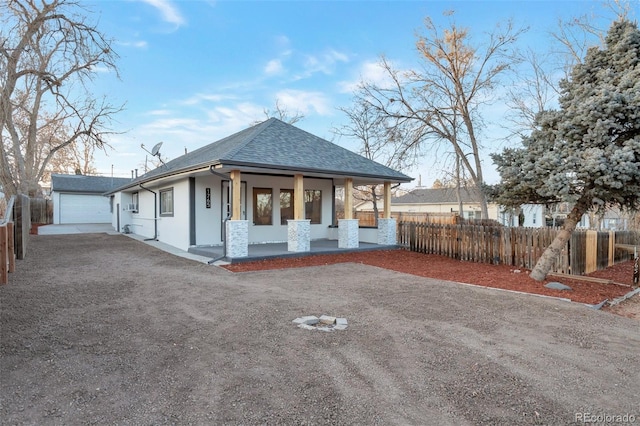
x=104, y=329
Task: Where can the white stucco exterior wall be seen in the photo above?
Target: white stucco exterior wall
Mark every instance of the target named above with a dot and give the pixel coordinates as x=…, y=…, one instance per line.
x=174, y=229
x=55, y=198
x=116, y=210
x=209, y=226
x=142, y=221
x=533, y=215
x=278, y=232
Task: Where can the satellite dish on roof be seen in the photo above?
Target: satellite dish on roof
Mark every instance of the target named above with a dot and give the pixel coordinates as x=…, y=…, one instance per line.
x=156, y=149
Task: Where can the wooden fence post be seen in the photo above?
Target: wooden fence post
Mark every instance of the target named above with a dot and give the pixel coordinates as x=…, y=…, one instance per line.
x=11, y=247
x=636, y=268
x=23, y=224
x=591, y=252
x=4, y=255
x=612, y=248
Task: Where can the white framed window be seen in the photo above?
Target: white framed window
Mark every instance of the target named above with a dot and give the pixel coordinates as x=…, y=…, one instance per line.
x=313, y=205
x=166, y=202
x=135, y=197
x=262, y=206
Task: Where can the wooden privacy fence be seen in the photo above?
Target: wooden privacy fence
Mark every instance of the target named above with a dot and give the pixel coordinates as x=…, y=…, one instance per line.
x=14, y=234
x=585, y=252
x=41, y=210
x=368, y=218
x=7, y=247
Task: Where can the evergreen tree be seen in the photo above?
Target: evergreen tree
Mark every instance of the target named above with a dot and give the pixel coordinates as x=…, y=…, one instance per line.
x=587, y=152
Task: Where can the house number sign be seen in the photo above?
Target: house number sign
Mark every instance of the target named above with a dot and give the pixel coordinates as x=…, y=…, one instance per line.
x=207, y=197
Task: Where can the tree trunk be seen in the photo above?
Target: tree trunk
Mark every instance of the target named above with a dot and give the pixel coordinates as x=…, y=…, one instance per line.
x=542, y=268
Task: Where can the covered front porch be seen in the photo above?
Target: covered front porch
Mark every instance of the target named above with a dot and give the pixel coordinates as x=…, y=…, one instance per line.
x=239, y=234
x=279, y=250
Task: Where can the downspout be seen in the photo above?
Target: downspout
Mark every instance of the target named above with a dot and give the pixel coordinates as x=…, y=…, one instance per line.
x=155, y=213
x=224, y=237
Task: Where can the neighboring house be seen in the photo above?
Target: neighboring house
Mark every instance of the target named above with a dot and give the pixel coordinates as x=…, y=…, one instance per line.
x=445, y=201
x=532, y=214
x=615, y=220
x=79, y=199
x=437, y=200
x=243, y=189
x=442, y=200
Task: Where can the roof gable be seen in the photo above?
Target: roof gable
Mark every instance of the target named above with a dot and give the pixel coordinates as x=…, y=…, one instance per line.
x=278, y=145
x=438, y=196
x=85, y=184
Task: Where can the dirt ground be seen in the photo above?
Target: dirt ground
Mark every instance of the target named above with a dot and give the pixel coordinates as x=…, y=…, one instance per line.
x=103, y=329
x=444, y=268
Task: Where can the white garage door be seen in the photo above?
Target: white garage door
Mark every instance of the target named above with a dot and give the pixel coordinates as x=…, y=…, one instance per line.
x=76, y=208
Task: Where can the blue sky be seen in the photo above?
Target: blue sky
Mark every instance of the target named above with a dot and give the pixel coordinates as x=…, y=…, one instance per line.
x=192, y=72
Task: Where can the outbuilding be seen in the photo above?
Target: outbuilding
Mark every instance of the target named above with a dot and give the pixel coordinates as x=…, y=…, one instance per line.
x=80, y=199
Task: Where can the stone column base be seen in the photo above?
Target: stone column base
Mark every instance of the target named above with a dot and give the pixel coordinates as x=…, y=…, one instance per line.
x=387, y=232
x=237, y=238
x=299, y=235
x=348, y=233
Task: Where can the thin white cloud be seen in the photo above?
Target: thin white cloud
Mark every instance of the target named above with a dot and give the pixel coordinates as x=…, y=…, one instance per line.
x=304, y=101
x=168, y=10
x=137, y=44
x=199, y=98
x=273, y=67
x=237, y=116
x=370, y=72
x=283, y=42
x=160, y=112
x=324, y=63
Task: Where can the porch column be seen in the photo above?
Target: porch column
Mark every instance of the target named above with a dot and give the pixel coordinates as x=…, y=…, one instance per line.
x=387, y=225
x=348, y=198
x=298, y=197
x=237, y=230
x=236, y=183
x=348, y=227
x=387, y=200
x=298, y=229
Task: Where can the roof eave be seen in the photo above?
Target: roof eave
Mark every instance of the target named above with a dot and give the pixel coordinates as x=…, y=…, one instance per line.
x=232, y=163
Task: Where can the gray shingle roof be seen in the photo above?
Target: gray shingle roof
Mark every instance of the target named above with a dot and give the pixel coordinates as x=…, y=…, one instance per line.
x=277, y=145
x=437, y=196
x=85, y=184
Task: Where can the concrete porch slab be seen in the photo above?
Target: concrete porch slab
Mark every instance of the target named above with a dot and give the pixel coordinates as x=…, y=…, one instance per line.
x=280, y=250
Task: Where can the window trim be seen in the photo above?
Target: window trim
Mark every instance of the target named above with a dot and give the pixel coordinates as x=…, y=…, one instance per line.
x=135, y=196
x=283, y=220
x=319, y=206
x=257, y=191
x=307, y=216
x=161, y=193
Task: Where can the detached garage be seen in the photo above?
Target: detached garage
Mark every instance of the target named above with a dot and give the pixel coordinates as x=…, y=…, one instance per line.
x=79, y=199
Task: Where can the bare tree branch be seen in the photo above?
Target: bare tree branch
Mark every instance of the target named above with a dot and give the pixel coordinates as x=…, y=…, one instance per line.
x=49, y=54
x=441, y=102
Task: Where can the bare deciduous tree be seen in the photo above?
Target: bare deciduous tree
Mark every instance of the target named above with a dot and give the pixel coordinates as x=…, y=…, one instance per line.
x=281, y=113
x=537, y=86
x=48, y=55
x=74, y=158
x=441, y=102
x=377, y=142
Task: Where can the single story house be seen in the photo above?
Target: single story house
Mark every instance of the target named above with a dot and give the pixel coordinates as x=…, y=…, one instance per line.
x=443, y=201
x=272, y=182
x=80, y=199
